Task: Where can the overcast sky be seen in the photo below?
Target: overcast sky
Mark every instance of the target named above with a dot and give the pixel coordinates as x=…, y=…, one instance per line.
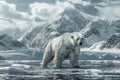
x=25, y=14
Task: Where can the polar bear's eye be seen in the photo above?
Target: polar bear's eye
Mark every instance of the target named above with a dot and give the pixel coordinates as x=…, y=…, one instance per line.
x=78, y=39
x=82, y=39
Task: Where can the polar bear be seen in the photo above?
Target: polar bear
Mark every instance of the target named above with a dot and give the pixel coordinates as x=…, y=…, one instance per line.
x=62, y=47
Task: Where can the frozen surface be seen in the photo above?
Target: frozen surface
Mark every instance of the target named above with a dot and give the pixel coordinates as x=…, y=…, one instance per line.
x=37, y=54
x=21, y=54
x=24, y=64
x=30, y=70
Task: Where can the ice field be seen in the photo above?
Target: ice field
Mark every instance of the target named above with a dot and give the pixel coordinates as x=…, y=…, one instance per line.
x=89, y=70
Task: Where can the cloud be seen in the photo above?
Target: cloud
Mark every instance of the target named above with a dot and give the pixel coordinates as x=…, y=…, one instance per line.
x=9, y=28
x=23, y=5
x=13, y=22
x=43, y=10
x=47, y=11
x=83, y=3
x=110, y=12
x=15, y=29
x=5, y=24
x=8, y=10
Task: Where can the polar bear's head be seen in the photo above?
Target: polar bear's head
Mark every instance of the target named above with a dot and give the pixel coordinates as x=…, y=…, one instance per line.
x=77, y=40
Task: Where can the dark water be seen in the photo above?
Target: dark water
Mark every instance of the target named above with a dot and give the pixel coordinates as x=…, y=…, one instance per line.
x=89, y=70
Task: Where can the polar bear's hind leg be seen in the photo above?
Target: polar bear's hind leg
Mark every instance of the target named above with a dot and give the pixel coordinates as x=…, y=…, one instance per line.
x=46, y=59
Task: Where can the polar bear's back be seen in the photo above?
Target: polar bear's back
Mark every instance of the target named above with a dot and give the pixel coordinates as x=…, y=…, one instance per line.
x=56, y=42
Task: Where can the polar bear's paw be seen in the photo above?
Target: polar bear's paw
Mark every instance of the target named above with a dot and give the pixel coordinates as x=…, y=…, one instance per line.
x=76, y=67
x=56, y=67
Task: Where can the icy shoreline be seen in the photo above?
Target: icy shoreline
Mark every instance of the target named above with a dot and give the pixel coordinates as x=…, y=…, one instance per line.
x=30, y=70
x=36, y=54
x=94, y=65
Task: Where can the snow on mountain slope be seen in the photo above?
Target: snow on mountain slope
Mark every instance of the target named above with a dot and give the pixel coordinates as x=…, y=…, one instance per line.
x=91, y=17
x=10, y=30
x=86, y=16
x=66, y=22
x=100, y=29
x=112, y=42
x=15, y=29
x=7, y=43
x=27, y=38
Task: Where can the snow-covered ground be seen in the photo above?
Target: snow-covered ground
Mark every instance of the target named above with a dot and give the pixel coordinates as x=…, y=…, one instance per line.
x=30, y=70
x=22, y=54
x=94, y=65
x=36, y=54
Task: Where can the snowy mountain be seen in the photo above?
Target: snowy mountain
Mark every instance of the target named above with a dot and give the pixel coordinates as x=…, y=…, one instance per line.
x=86, y=16
x=102, y=33
x=96, y=31
x=13, y=32
x=39, y=25
x=30, y=35
x=112, y=42
x=7, y=43
x=99, y=30
x=66, y=22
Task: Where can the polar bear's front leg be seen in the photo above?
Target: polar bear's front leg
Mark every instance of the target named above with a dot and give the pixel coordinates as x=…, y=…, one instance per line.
x=57, y=61
x=74, y=58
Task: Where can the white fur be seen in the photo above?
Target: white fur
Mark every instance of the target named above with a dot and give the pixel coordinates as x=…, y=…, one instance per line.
x=61, y=47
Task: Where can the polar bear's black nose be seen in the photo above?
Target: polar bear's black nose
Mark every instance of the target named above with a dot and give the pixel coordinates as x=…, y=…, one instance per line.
x=80, y=43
